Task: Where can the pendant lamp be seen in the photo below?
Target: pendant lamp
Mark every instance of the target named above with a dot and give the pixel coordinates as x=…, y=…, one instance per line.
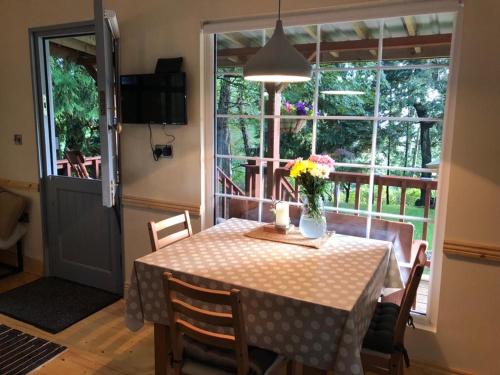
x=278, y=60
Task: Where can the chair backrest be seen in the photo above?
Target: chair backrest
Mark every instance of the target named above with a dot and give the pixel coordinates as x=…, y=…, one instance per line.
x=177, y=309
x=155, y=227
x=400, y=234
x=77, y=162
x=409, y=295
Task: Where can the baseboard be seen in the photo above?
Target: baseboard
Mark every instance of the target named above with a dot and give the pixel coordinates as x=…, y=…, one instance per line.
x=428, y=368
x=31, y=265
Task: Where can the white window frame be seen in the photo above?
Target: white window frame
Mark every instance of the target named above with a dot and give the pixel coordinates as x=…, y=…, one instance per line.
x=335, y=15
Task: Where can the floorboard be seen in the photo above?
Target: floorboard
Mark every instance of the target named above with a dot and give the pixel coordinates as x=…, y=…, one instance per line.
x=101, y=344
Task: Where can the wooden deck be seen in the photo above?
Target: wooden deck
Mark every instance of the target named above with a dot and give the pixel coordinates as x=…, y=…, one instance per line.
x=422, y=293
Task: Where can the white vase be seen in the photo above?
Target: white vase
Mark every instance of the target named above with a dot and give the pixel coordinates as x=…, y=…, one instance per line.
x=312, y=219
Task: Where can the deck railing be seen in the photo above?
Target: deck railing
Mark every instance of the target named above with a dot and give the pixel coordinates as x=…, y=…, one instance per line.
x=64, y=166
x=285, y=190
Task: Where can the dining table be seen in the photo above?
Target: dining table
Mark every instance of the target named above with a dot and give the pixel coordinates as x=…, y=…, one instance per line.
x=311, y=305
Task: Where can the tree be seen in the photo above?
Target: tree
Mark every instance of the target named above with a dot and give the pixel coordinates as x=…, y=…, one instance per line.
x=76, y=110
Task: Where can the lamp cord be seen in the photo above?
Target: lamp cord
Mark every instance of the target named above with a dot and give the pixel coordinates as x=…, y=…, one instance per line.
x=279, y=10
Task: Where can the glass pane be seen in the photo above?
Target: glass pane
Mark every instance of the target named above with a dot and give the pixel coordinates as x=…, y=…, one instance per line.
x=235, y=95
x=297, y=99
x=349, y=44
x=389, y=198
x=417, y=39
x=295, y=138
x=234, y=49
x=345, y=141
x=413, y=92
x=76, y=106
x=238, y=136
x=347, y=93
x=349, y=188
x=227, y=208
x=237, y=177
x=409, y=144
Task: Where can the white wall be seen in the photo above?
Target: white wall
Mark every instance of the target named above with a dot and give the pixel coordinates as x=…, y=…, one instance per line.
x=468, y=330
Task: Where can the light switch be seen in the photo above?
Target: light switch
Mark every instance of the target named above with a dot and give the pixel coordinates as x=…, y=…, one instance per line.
x=18, y=139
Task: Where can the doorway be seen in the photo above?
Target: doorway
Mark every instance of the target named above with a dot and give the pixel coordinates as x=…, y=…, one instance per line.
x=75, y=74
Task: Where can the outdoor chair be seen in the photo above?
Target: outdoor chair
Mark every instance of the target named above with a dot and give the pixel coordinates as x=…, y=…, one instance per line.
x=155, y=227
x=197, y=349
x=77, y=162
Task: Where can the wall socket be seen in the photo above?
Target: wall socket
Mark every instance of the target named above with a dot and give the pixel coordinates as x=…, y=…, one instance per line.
x=164, y=151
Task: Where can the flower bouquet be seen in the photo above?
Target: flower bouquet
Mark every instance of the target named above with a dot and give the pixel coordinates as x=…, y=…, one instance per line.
x=313, y=177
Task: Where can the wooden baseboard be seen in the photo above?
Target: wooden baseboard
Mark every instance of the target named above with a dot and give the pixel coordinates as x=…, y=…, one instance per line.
x=472, y=250
x=31, y=265
x=424, y=368
x=19, y=185
x=156, y=204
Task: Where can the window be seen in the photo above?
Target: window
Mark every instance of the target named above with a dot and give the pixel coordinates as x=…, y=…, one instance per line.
x=375, y=104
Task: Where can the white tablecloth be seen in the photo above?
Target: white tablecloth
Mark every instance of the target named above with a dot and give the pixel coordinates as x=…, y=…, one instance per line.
x=311, y=305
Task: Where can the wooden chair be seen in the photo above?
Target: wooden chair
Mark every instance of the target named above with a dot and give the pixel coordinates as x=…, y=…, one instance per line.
x=77, y=162
x=383, y=349
x=199, y=351
x=155, y=228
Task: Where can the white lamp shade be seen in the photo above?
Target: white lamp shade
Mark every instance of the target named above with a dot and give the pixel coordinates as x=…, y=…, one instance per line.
x=277, y=61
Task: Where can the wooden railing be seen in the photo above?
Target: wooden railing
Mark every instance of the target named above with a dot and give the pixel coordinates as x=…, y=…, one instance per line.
x=64, y=167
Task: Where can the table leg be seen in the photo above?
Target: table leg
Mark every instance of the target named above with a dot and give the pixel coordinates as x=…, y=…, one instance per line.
x=162, y=348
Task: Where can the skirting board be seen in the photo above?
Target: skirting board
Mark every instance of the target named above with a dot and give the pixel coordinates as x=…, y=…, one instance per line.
x=424, y=368
x=472, y=250
x=31, y=265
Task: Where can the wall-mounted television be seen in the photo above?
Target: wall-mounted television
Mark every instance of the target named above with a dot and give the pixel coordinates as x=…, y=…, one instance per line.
x=154, y=99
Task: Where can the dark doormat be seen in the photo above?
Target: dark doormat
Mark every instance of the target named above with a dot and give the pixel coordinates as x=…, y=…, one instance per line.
x=54, y=304
x=21, y=353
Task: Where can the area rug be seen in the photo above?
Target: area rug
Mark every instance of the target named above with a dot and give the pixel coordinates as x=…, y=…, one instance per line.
x=53, y=304
x=21, y=353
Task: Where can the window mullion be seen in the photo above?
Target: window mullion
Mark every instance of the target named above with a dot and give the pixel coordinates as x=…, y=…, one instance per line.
x=375, y=128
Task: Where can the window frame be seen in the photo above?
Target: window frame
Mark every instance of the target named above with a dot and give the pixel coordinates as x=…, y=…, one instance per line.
x=209, y=158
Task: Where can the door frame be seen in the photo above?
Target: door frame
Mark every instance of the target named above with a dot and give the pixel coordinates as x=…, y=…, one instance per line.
x=43, y=123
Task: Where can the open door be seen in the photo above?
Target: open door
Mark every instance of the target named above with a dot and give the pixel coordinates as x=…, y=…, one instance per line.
x=107, y=35
x=75, y=71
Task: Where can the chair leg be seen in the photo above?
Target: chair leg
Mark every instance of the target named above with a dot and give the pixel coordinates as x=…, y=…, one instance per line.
x=20, y=259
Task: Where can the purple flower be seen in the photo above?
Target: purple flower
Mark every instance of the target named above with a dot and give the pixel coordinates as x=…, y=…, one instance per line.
x=301, y=109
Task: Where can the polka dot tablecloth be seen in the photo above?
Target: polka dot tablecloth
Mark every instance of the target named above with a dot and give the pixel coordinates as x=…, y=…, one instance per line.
x=311, y=305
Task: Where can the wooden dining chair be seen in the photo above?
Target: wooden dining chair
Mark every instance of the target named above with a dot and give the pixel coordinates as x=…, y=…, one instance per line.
x=156, y=227
x=200, y=351
x=383, y=349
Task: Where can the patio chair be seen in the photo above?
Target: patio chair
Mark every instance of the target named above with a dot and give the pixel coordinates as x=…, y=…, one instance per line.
x=12, y=231
x=197, y=350
x=383, y=350
x=400, y=234
x=155, y=227
x=77, y=162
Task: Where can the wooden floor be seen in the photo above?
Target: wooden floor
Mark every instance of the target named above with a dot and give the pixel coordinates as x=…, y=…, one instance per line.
x=101, y=344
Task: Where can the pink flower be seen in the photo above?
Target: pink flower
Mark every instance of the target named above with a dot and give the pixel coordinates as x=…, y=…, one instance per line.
x=323, y=160
x=288, y=107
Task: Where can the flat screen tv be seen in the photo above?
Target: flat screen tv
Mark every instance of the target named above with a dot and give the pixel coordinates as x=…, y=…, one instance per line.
x=154, y=99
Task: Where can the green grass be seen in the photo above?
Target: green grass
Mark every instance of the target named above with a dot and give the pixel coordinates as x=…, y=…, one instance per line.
x=410, y=211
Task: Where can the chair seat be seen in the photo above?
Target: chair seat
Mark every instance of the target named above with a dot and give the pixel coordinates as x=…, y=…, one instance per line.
x=380, y=335
x=216, y=361
x=394, y=296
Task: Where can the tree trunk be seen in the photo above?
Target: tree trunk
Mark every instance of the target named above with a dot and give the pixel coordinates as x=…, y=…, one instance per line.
x=407, y=146
x=223, y=136
x=243, y=128
x=425, y=146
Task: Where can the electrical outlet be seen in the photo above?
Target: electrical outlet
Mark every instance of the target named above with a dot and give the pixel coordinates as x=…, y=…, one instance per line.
x=164, y=151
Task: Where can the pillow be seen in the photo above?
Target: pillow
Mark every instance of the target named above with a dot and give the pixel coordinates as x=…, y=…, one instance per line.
x=11, y=208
